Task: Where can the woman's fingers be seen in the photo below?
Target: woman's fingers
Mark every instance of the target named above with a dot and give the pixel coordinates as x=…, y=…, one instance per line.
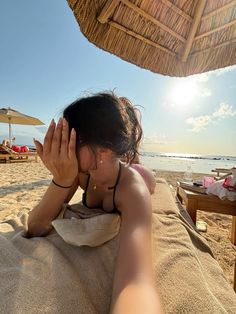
x=48, y=138
x=39, y=148
x=72, y=145
x=56, y=140
x=64, y=139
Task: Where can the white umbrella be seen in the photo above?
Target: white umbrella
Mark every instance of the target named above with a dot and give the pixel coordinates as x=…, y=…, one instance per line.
x=11, y=116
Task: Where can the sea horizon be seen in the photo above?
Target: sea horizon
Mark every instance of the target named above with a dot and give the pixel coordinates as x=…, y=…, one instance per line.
x=181, y=161
x=199, y=163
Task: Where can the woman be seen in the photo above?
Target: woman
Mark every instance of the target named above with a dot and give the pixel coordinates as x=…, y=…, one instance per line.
x=84, y=149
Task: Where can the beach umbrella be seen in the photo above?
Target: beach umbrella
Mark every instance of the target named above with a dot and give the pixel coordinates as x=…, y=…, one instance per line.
x=171, y=37
x=11, y=116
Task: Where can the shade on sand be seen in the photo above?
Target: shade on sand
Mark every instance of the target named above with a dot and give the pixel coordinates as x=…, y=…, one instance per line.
x=171, y=37
x=11, y=116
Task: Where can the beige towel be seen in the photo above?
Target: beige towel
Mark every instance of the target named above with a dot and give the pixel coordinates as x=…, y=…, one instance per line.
x=47, y=275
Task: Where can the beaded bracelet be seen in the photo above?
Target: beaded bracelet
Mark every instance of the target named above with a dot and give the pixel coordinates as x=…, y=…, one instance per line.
x=61, y=186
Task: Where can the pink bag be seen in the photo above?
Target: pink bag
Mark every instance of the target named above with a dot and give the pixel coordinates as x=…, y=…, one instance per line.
x=207, y=181
x=228, y=184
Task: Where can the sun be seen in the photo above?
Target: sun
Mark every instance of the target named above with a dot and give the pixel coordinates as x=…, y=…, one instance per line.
x=183, y=94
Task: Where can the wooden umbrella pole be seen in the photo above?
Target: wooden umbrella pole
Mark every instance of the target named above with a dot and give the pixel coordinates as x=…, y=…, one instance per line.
x=107, y=10
x=9, y=124
x=231, y=23
x=197, y=17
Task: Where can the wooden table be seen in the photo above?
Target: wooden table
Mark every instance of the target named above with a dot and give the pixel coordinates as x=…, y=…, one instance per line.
x=208, y=203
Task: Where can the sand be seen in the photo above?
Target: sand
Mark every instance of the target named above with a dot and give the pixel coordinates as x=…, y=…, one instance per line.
x=22, y=186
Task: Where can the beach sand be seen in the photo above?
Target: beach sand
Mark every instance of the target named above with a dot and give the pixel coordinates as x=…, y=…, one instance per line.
x=22, y=186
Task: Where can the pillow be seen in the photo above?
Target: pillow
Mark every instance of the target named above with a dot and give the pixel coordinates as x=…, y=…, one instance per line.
x=16, y=148
x=24, y=149
x=92, y=231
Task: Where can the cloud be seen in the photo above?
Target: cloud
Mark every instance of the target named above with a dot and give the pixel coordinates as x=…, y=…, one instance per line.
x=156, y=139
x=224, y=111
x=160, y=140
x=200, y=123
x=204, y=77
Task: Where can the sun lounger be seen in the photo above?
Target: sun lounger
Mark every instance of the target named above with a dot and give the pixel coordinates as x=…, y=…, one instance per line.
x=49, y=274
x=221, y=173
x=9, y=155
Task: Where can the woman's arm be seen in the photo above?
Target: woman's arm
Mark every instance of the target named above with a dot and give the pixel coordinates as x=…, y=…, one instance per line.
x=133, y=288
x=40, y=218
x=59, y=156
x=72, y=190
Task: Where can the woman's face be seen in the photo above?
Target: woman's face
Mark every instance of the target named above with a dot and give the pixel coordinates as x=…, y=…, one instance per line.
x=86, y=158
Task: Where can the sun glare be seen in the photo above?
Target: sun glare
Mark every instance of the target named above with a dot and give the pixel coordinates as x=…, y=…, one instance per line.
x=182, y=94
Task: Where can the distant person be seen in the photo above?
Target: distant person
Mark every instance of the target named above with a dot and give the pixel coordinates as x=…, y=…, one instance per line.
x=6, y=142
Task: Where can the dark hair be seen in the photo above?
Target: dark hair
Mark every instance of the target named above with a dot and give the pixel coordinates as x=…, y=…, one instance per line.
x=105, y=120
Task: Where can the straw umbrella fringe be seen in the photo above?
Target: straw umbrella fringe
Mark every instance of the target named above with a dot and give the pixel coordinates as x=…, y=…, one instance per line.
x=176, y=38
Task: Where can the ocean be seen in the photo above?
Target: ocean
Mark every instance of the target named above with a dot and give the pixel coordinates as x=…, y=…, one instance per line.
x=180, y=162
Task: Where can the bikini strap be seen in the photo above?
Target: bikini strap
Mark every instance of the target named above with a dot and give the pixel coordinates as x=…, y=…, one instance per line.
x=87, y=184
x=114, y=187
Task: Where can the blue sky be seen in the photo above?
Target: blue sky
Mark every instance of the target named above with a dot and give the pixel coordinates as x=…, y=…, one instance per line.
x=46, y=62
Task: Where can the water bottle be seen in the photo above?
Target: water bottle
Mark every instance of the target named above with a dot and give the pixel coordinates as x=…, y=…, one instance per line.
x=188, y=175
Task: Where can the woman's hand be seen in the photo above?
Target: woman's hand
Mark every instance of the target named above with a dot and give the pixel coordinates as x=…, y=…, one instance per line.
x=58, y=152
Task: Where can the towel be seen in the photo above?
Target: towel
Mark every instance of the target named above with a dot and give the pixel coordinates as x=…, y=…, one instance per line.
x=48, y=275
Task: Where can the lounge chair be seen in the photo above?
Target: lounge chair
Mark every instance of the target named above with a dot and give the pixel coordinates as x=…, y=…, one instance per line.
x=78, y=279
x=221, y=173
x=9, y=155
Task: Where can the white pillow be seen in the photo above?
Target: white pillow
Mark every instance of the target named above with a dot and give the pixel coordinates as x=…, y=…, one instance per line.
x=93, y=231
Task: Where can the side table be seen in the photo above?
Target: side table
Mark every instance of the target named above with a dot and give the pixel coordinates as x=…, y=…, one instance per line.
x=208, y=203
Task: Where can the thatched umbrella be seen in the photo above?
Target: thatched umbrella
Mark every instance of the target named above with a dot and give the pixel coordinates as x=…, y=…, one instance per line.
x=11, y=116
x=176, y=38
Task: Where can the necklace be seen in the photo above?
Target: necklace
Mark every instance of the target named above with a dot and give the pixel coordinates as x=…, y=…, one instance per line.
x=110, y=187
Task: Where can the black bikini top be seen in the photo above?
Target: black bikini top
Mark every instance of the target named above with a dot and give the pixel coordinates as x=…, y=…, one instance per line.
x=84, y=196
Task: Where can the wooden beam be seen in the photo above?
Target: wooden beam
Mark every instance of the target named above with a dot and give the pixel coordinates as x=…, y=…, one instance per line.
x=147, y=41
x=216, y=30
x=233, y=240
x=177, y=10
x=107, y=10
x=233, y=222
x=153, y=20
x=196, y=20
x=224, y=7
x=225, y=43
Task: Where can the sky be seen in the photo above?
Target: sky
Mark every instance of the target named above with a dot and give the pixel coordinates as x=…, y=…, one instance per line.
x=46, y=63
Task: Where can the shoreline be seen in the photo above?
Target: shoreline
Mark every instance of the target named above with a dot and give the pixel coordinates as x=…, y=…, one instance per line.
x=23, y=185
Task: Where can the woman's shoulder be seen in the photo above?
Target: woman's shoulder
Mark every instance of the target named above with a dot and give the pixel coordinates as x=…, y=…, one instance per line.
x=132, y=190
x=146, y=174
x=131, y=178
